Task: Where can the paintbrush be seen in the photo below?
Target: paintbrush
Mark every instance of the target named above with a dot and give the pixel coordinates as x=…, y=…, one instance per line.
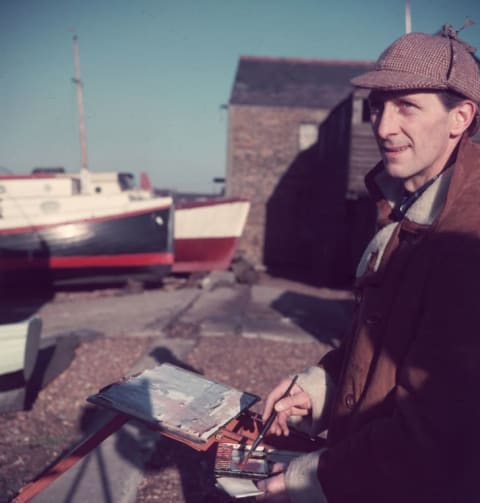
x=268, y=423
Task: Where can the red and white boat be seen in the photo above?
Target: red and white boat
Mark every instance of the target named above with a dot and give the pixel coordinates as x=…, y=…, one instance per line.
x=57, y=227
x=207, y=233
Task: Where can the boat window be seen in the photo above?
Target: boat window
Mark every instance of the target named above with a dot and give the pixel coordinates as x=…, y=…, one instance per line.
x=126, y=181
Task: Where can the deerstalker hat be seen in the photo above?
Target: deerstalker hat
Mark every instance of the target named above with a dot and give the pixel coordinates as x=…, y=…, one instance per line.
x=423, y=61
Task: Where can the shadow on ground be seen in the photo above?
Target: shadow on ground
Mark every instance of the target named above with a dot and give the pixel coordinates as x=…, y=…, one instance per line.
x=326, y=319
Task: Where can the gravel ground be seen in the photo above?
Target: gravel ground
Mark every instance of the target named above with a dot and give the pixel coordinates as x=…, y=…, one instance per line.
x=31, y=440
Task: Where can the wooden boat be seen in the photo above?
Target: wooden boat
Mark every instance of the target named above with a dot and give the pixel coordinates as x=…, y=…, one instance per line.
x=59, y=227
x=207, y=233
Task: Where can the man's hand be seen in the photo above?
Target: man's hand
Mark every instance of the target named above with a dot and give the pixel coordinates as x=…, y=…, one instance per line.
x=274, y=489
x=298, y=403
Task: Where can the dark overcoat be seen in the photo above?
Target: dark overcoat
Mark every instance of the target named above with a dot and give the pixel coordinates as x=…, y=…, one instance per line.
x=405, y=424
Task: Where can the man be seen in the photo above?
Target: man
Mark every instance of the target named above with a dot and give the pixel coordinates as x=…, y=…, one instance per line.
x=400, y=396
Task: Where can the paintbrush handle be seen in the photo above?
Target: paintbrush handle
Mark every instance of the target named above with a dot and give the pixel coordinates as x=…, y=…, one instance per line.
x=271, y=418
x=263, y=431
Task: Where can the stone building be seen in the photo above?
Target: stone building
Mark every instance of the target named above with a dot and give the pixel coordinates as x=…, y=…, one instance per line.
x=299, y=144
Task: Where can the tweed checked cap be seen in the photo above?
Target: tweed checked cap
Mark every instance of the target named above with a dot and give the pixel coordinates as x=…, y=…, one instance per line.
x=423, y=61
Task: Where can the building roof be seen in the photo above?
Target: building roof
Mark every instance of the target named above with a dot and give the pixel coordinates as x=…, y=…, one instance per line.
x=294, y=82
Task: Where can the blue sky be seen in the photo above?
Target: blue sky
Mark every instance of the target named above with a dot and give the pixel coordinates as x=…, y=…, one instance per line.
x=156, y=72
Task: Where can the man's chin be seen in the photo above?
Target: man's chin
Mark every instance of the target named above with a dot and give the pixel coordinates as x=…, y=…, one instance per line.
x=395, y=170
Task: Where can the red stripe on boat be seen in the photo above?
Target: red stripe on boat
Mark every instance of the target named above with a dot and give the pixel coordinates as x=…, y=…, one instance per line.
x=126, y=260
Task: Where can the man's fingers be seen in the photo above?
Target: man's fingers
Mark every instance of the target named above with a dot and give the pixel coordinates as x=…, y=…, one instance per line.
x=276, y=395
x=295, y=405
x=269, y=403
x=275, y=429
x=282, y=423
x=297, y=401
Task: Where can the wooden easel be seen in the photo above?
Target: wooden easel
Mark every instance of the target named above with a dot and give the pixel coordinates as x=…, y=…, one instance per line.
x=81, y=450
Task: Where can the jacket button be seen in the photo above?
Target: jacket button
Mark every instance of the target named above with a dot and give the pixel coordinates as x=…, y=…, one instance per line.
x=349, y=401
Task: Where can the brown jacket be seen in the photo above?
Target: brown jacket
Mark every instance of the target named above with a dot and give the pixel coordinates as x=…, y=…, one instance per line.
x=405, y=424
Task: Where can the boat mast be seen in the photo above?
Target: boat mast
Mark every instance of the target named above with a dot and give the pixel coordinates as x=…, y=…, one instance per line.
x=83, y=142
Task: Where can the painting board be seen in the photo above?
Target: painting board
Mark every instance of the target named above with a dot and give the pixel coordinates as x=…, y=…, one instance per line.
x=178, y=401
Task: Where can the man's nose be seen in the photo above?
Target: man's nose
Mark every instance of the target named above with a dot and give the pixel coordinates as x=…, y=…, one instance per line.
x=386, y=122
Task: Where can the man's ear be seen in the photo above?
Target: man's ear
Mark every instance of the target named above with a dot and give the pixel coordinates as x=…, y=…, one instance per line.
x=462, y=117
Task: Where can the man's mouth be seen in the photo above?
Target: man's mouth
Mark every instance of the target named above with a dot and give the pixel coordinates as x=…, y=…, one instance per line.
x=394, y=150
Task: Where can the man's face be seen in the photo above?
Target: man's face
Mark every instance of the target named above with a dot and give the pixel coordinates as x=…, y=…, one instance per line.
x=413, y=132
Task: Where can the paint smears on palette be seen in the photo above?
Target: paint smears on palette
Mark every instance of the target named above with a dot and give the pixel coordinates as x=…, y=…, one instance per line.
x=229, y=461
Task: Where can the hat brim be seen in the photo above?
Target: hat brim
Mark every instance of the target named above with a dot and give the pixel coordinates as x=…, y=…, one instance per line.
x=390, y=80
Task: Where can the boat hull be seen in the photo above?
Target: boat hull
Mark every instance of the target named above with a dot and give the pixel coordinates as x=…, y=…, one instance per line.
x=203, y=254
x=135, y=244
x=207, y=234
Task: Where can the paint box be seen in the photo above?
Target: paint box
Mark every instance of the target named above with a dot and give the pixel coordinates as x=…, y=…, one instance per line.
x=229, y=462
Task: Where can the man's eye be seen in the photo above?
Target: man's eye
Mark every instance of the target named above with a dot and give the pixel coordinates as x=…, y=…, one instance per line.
x=407, y=104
